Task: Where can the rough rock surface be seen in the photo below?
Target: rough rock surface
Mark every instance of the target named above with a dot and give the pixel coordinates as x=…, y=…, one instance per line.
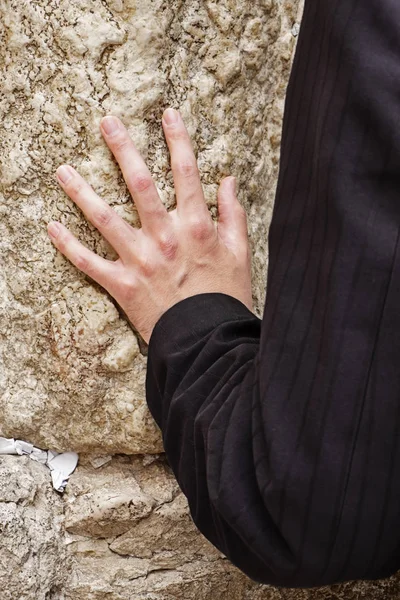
x=72, y=371
x=72, y=368
x=33, y=558
x=122, y=531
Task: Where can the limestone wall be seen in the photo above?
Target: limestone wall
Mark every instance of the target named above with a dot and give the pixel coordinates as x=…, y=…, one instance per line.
x=71, y=367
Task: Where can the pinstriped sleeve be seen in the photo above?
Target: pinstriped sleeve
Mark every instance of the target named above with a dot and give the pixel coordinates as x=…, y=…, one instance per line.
x=207, y=421
x=284, y=433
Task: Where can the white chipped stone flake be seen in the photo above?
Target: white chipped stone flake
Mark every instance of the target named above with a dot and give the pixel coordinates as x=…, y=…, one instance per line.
x=61, y=465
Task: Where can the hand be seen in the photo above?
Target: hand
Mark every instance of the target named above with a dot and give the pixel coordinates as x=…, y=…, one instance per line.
x=175, y=254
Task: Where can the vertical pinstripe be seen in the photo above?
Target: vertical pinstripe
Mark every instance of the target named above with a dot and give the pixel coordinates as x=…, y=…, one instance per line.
x=284, y=434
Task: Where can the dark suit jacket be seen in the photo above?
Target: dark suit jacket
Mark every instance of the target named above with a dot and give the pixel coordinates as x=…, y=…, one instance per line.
x=284, y=433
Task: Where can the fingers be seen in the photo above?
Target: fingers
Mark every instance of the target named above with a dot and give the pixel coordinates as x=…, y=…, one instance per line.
x=100, y=269
x=153, y=215
x=232, y=221
x=188, y=188
x=117, y=231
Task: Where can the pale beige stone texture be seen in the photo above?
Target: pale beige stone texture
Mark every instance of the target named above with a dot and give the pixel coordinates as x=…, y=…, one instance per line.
x=34, y=563
x=72, y=368
x=73, y=372
x=122, y=531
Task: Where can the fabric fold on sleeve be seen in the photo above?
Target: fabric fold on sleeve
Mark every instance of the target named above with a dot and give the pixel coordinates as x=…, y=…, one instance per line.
x=201, y=384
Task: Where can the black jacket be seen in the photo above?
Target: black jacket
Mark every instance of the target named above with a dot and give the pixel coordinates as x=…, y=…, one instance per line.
x=284, y=434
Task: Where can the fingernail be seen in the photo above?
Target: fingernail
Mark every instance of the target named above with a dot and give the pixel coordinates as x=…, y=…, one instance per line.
x=64, y=173
x=110, y=125
x=53, y=229
x=171, y=116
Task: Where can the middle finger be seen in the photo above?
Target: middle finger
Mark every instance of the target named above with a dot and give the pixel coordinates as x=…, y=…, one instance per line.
x=153, y=214
x=188, y=188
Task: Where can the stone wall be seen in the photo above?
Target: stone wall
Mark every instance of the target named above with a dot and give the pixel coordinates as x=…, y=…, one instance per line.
x=72, y=368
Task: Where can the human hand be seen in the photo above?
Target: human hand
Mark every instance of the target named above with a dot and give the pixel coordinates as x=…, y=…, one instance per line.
x=175, y=254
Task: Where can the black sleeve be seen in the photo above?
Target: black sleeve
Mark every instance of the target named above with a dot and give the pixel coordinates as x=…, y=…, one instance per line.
x=201, y=385
x=284, y=434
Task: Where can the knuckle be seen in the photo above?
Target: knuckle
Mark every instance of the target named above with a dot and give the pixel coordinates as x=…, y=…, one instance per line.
x=186, y=169
x=62, y=242
x=127, y=287
x=75, y=187
x=168, y=245
x=200, y=228
x=103, y=217
x=141, y=182
x=82, y=263
x=147, y=267
x=121, y=142
x=177, y=134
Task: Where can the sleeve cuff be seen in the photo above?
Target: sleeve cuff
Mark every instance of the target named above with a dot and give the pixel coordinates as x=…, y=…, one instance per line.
x=192, y=318
x=193, y=331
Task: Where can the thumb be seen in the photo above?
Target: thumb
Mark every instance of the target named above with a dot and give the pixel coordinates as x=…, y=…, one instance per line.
x=232, y=220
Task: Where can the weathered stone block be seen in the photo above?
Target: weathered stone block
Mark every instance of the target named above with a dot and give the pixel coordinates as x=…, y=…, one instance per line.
x=33, y=560
x=72, y=369
x=72, y=375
